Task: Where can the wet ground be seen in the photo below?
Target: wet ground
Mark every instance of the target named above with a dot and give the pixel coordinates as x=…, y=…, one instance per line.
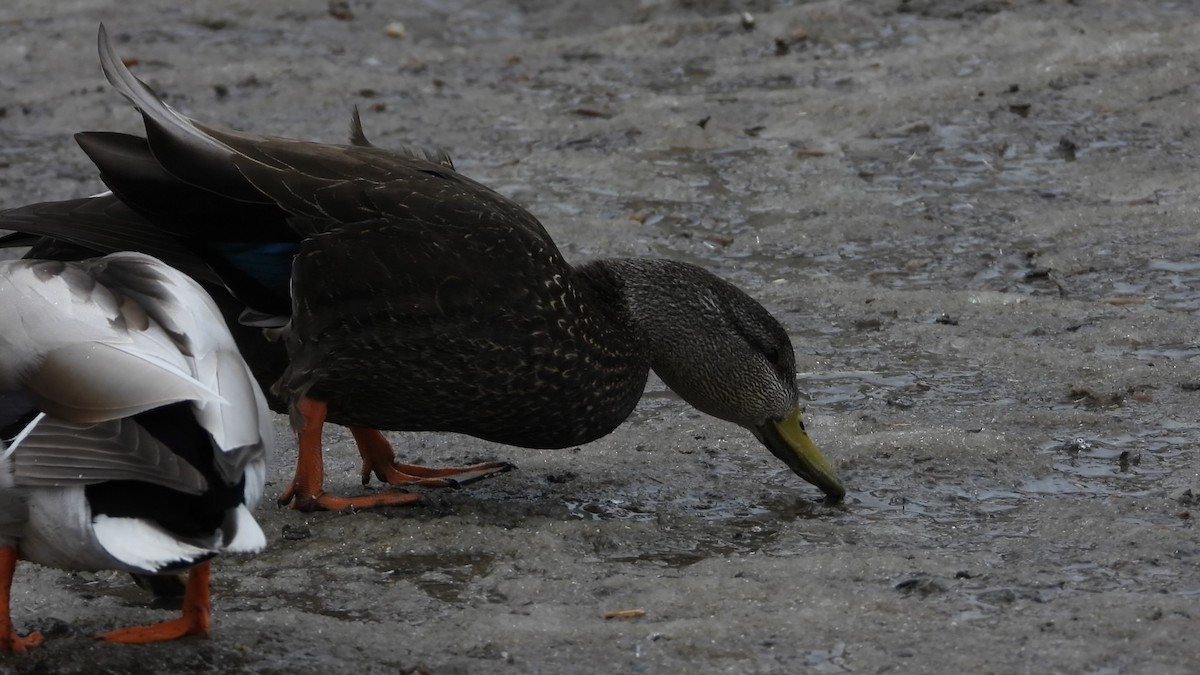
x=977, y=220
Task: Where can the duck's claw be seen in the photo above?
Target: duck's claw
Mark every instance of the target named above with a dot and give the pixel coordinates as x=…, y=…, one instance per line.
x=172, y=629
x=396, y=473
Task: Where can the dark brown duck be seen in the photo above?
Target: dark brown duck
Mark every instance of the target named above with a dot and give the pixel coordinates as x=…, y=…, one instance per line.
x=417, y=299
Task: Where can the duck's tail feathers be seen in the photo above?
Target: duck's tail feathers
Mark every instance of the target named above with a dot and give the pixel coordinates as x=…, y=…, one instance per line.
x=185, y=148
x=143, y=545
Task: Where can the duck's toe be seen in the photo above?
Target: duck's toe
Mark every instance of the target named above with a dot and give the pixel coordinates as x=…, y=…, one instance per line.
x=18, y=644
x=324, y=501
x=379, y=460
x=165, y=631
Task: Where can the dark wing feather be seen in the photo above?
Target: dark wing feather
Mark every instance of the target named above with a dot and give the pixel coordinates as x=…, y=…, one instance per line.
x=104, y=225
x=129, y=168
x=323, y=182
x=19, y=239
x=359, y=138
x=437, y=287
x=357, y=135
x=171, y=135
x=347, y=184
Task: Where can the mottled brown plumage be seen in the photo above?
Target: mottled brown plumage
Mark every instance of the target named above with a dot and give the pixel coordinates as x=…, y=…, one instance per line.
x=422, y=300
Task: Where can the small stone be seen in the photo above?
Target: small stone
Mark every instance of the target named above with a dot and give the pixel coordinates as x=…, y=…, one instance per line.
x=1020, y=109
x=340, y=10
x=1189, y=496
x=394, y=30
x=296, y=532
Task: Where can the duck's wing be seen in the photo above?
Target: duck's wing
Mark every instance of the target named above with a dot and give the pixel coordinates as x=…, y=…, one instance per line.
x=100, y=225
x=85, y=352
x=101, y=340
x=64, y=453
x=320, y=187
x=238, y=419
x=111, y=337
x=180, y=207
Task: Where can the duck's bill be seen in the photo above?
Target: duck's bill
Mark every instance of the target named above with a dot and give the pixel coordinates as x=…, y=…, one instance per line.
x=787, y=440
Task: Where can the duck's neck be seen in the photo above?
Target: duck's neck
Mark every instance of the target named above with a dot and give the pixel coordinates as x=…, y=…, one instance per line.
x=609, y=346
x=647, y=303
x=679, y=315
x=650, y=298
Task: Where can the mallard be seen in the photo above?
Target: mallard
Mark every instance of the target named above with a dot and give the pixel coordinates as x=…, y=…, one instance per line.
x=413, y=298
x=133, y=433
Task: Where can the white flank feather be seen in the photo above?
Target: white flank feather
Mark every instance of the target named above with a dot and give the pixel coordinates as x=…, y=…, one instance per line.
x=256, y=476
x=144, y=545
x=249, y=537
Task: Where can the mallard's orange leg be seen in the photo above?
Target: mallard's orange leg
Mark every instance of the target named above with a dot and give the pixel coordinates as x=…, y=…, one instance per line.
x=379, y=459
x=195, y=620
x=305, y=492
x=9, y=640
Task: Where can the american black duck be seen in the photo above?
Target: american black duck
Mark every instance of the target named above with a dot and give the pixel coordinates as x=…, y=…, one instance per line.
x=133, y=435
x=417, y=299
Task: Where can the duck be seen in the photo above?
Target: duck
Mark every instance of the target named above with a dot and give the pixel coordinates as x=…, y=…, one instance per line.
x=410, y=297
x=133, y=435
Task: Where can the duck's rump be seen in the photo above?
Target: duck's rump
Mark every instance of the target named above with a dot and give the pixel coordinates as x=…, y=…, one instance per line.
x=140, y=494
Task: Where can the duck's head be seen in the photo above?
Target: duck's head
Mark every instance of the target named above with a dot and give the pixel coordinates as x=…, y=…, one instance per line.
x=726, y=355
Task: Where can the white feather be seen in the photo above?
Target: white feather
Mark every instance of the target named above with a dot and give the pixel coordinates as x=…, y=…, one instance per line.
x=22, y=435
x=249, y=537
x=142, y=544
x=256, y=476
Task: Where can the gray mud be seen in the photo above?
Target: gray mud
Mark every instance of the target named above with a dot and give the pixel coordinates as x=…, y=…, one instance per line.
x=976, y=219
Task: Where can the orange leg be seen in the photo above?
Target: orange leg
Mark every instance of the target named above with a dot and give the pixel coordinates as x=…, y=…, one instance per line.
x=305, y=492
x=195, y=619
x=379, y=459
x=9, y=640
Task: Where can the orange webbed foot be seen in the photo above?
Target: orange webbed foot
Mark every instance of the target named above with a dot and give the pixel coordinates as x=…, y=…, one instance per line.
x=10, y=641
x=323, y=501
x=18, y=644
x=379, y=460
x=164, y=631
x=195, y=620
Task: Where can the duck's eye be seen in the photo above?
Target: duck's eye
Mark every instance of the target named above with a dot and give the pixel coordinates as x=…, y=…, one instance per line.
x=772, y=356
